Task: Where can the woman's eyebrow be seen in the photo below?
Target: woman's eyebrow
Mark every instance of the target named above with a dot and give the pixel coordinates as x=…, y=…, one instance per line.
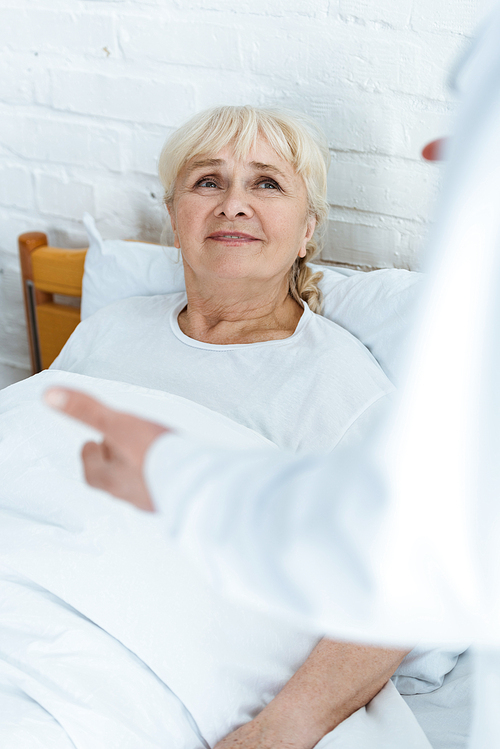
x=203, y=164
x=256, y=165
x=259, y=166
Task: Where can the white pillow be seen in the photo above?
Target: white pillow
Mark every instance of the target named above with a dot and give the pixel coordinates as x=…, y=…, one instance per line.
x=115, y=269
x=376, y=307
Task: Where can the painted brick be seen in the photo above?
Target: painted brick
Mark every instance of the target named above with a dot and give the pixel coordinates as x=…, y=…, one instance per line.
x=375, y=125
x=13, y=337
x=15, y=222
x=379, y=61
x=394, y=14
x=284, y=56
x=57, y=31
x=259, y=92
x=122, y=97
x=42, y=83
x=426, y=63
x=205, y=45
x=448, y=15
x=145, y=147
x=414, y=245
x=277, y=8
x=91, y=125
x=409, y=63
x=67, y=233
x=360, y=126
x=16, y=187
x=46, y=139
x=363, y=245
x=354, y=58
x=16, y=81
x=63, y=197
x=132, y=203
x=419, y=127
x=383, y=186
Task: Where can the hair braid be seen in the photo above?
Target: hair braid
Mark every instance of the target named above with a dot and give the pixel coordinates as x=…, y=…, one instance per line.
x=303, y=282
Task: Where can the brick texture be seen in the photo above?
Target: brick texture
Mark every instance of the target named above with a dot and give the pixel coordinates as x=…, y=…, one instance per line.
x=90, y=90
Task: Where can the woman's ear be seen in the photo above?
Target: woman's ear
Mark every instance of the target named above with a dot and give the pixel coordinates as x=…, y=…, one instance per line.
x=171, y=213
x=310, y=227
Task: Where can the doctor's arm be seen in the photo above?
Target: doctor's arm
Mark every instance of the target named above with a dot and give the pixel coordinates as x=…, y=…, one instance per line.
x=269, y=540
x=317, y=539
x=336, y=679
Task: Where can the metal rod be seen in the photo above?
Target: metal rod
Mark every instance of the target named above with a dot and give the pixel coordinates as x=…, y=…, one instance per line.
x=30, y=289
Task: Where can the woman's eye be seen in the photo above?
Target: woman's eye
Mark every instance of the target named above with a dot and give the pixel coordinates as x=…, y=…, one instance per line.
x=206, y=183
x=269, y=184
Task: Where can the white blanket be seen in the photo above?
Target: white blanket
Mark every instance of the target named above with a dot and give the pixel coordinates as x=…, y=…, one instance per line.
x=107, y=637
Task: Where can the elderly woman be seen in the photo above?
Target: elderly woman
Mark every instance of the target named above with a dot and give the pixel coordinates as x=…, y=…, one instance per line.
x=246, y=192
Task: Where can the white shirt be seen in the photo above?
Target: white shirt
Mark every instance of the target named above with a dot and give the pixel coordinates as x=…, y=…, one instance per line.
x=305, y=393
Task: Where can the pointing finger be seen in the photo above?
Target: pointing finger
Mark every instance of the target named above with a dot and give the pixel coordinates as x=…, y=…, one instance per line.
x=82, y=407
x=131, y=435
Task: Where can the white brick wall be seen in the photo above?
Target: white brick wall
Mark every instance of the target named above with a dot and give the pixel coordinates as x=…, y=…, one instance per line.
x=90, y=89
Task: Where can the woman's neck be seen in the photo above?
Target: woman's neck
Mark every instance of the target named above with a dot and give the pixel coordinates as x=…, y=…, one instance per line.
x=232, y=313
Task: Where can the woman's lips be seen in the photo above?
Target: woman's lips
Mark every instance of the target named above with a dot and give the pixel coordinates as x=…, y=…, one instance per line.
x=233, y=238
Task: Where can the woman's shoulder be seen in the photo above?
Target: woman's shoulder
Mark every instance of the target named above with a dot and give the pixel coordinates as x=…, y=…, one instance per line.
x=125, y=315
x=329, y=341
x=320, y=327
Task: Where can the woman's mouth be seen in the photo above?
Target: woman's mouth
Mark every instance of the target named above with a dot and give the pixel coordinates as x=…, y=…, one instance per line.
x=234, y=238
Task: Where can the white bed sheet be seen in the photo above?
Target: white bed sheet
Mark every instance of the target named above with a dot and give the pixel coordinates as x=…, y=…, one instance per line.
x=446, y=714
x=83, y=661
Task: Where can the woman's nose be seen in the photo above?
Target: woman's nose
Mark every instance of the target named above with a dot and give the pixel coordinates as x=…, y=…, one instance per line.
x=234, y=204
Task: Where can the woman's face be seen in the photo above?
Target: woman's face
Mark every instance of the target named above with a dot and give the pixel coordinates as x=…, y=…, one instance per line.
x=243, y=218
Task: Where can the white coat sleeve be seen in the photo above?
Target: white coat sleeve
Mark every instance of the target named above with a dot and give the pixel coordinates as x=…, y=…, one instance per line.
x=296, y=532
x=397, y=540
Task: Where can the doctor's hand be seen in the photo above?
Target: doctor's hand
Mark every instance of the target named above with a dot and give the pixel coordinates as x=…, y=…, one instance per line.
x=116, y=464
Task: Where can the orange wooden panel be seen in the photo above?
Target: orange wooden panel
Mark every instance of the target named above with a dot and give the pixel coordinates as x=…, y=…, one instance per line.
x=56, y=322
x=28, y=243
x=58, y=271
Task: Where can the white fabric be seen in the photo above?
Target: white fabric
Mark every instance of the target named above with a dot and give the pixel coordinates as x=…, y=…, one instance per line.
x=381, y=721
x=432, y=481
x=139, y=341
x=375, y=307
x=305, y=392
x=457, y=696
x=424, y=669
x=84, y=662
x=115, y=269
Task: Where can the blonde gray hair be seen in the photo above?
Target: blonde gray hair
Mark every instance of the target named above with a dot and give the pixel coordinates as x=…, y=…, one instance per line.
x=293, y=136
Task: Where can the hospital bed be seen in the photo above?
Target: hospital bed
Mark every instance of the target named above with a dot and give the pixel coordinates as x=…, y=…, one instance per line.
x=82, y=660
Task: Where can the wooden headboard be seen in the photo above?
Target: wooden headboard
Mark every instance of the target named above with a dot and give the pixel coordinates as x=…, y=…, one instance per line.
x=49, y=273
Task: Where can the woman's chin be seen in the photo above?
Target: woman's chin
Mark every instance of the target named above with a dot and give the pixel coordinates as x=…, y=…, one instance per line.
x=233, y=268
